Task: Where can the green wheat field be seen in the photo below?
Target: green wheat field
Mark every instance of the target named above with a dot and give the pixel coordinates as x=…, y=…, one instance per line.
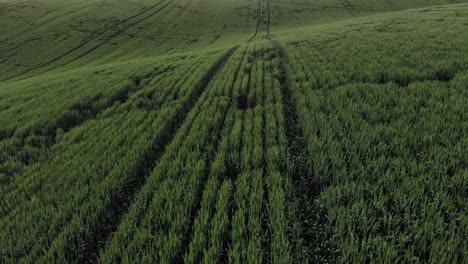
x=234, y=131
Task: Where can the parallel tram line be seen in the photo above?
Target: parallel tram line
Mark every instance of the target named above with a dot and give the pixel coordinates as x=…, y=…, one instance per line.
x=27, y=184
x=128, y=241
x=189, y=233
x=306, y=188
x=119, y=202
x=259, y=21
x=345, y=5
x=96, y=38
x=265, y=215
x=268, y=17
x=236, y=167
x=351, y=6
x=296, y=145
x=89, y=112
x=180, y=119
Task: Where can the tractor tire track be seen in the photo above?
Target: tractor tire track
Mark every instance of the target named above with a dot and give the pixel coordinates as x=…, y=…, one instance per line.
x=96, y=38
x=313, y=246
x=268, y=17
x=266, y=221
x=189, y=233
x=122, y=199
x=351, y=6
x=15, y=4
x=259, y=21
x=120, y=32
x=344, y=4
x=87, y=110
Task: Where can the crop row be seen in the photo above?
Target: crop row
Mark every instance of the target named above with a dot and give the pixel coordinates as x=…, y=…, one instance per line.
x=384, y=128
x=70, y=102
x=218, y=192
x=56, y=210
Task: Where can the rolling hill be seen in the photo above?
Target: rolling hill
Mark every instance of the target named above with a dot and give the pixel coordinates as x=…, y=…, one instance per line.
x=240, y=131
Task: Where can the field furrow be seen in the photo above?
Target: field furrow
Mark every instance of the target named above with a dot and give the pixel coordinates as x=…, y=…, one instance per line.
x=24, y=182
x=311, y=244
x=234, y=131
x=154, y=227
x=102, y=39
x=30, y=144
x=154, y=133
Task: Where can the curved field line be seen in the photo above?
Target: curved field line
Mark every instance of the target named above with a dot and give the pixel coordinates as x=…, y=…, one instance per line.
x=351, y=6
x=119, y=33
x=340, y=6
x=344, y=4
x=107, y=229
x=306, y=187
x=259, y=19
x=266, y=243
x=15, y=4
x=188, y=234
x=268, y=17
x=95, y=38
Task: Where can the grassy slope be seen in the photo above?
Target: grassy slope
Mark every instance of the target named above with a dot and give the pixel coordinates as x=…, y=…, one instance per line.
x=87, y=33
x=101, y=48
x=106, y=31
x=135, y=30
x=383, y=103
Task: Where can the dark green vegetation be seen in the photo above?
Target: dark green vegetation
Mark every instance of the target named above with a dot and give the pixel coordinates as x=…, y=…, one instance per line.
x=241, y=131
